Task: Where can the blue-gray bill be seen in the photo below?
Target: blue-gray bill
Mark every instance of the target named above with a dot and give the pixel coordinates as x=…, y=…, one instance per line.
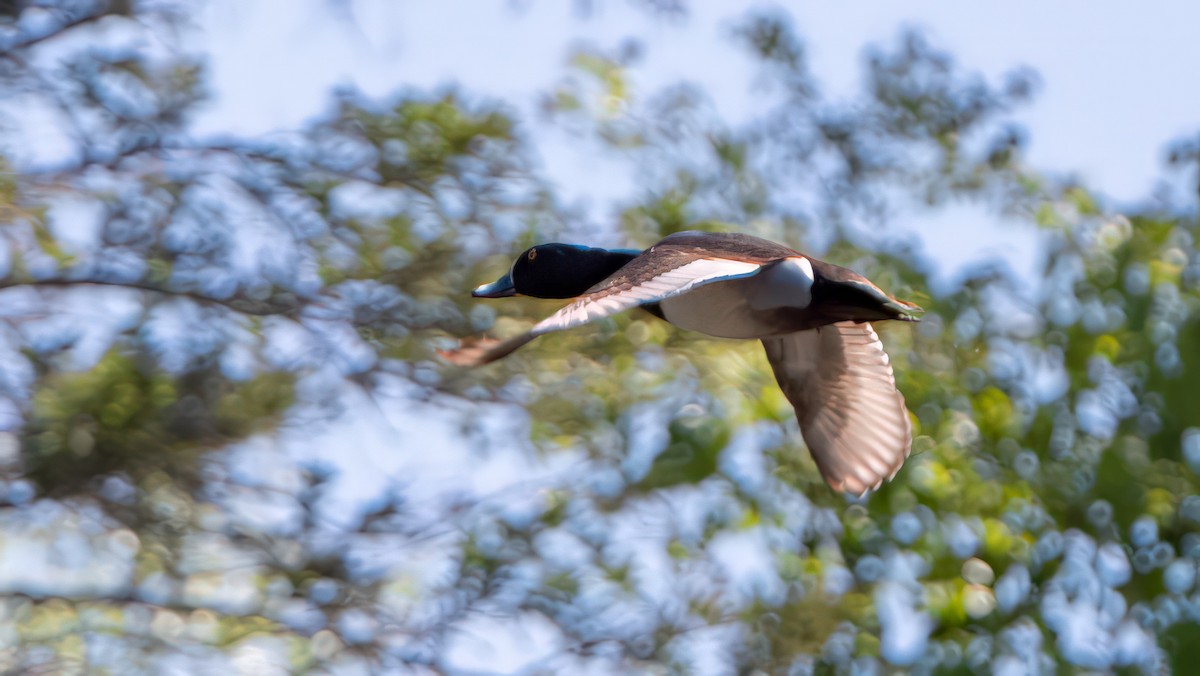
x=501, y=288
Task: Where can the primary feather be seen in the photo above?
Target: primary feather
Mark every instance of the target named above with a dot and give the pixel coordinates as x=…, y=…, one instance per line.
x=839, y=380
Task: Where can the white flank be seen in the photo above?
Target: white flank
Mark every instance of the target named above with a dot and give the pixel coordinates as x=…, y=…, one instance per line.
x=787, y=283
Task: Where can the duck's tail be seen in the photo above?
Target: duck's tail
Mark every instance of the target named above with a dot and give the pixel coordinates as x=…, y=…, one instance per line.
x=843, y=294
x=866, y=302
x=903, y=310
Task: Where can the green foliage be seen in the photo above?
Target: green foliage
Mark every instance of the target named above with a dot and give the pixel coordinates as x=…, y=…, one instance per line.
x=691, y=454
x=801, y=627
x=427, y=136
x=127, y=417
x=1182, y=643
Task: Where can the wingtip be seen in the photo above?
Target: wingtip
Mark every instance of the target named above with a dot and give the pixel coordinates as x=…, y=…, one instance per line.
x=856, y=488
x=470, y=353
x=480, y=351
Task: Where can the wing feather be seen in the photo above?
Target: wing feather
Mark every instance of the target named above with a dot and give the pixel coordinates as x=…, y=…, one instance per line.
x=616, y=294
x=840, y=381
x=611, y=299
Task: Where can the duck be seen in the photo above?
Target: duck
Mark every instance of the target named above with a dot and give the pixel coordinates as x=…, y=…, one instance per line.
x=813, y=319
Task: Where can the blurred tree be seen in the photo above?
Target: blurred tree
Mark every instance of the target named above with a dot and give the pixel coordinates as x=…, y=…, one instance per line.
x=202, y=336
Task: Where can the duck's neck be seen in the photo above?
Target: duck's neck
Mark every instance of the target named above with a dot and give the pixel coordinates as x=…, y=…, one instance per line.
x=600, y=264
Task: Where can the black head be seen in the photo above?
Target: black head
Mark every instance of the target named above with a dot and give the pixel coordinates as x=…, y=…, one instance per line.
x=556, y=271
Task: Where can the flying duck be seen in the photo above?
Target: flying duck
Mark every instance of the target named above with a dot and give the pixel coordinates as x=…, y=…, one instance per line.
x=811, y=316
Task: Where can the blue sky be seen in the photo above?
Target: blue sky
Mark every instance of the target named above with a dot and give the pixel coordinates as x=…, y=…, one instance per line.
x=1115, y=78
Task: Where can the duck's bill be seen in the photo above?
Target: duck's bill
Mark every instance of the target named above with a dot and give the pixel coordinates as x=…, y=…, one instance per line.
x=501, y=288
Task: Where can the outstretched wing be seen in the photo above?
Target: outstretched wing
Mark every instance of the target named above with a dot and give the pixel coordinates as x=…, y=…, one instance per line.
x=636, y=284
x=623, y=291
x=852, y=417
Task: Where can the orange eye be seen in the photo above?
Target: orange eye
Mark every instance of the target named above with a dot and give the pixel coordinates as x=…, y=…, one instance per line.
x=532, y=254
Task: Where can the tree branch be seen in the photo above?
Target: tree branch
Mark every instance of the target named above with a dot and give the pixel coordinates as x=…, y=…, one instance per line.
x=240, y=305
x=21, y=45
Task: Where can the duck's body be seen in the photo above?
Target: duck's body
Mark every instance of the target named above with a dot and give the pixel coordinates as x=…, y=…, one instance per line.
x=739, y=286
x=811, y=316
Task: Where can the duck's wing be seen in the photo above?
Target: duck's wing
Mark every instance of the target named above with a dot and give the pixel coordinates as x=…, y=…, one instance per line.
x=852, y=417
x=645, y=280
x=642, y=282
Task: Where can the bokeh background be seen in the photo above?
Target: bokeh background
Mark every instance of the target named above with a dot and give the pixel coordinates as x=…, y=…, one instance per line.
x=233, y=236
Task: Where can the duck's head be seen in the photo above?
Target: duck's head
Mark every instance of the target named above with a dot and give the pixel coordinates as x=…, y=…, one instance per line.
x=556, y=271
